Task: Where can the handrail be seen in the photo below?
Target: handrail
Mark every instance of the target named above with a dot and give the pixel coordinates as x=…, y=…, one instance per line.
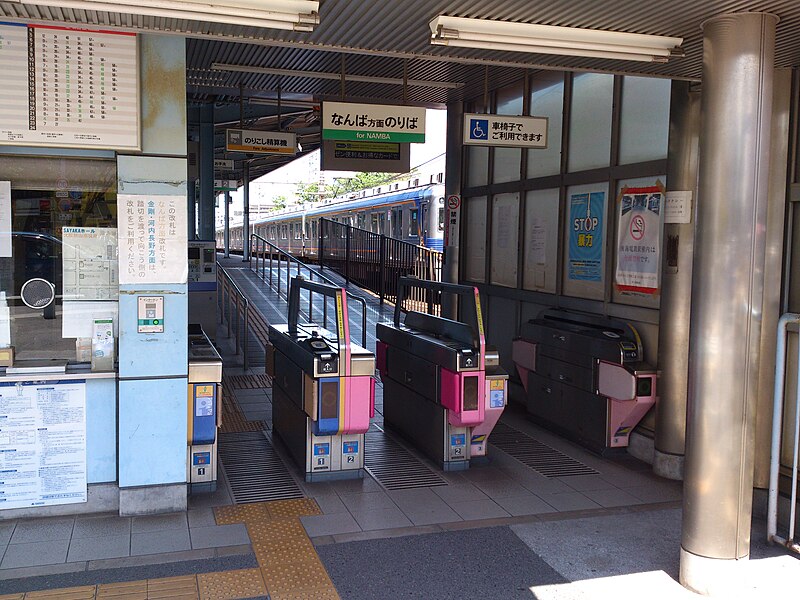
x=225, y=281
x=264, y=248
x=775, y=455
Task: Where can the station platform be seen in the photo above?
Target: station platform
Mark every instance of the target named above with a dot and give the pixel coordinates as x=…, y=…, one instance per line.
x=544, y=519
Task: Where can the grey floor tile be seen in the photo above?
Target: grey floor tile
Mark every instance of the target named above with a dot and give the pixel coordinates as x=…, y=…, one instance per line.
x=459, y=492
x=584, y=483
x=35, y=554
x=98, y=548
x=366, y=501
x=414, y=497
x=201, y=517
x=542, y=485
x=318, y=525
x=567, y=501
x=41, y=530
x=218, y=498
x=424, y=507
x=501, y=488
x=484, y=474
x=6, y=529
x=172, y=521
x=615, y=497
x=157, y=542
x=218, y=536
x=479, y=509
x=368, y=484
x=330, y=504
x=529, y=504
x=91, y=527
x=656, y=493
x=381, y=518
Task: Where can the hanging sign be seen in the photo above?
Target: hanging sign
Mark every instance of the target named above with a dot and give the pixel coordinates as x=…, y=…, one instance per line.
x=639, y=239
x=69, y=87
x=502, y=130
x=226, y=185
x=453, y=220
x=373, y=122
x=586, y=236
x=260, y=142
x=223, y=164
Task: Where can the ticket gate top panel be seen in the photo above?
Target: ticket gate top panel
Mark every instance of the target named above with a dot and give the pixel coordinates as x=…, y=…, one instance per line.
x=454, y=345
x=316, y=351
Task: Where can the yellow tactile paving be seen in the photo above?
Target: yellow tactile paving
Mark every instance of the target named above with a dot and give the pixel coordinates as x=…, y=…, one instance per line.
x=289, y=567
x=244, y=583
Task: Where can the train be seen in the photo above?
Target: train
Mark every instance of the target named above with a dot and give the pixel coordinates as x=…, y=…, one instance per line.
x=415, y=215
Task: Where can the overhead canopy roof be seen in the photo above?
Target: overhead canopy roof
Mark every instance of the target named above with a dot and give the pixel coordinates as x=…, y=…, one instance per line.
x=391, y=39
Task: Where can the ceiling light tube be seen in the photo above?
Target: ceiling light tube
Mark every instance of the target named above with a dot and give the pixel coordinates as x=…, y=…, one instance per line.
x=548, y=39
x=272, y=14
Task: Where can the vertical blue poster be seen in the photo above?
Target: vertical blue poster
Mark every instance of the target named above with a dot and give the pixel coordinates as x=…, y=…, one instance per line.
x=586, y=236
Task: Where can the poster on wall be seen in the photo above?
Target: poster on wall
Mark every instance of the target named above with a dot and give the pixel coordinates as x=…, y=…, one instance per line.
x=586, y=236
x=639, y=239
x=43, y=437
x=89, y=262
x=69, y=87
x=5, y=219
x=152, y=239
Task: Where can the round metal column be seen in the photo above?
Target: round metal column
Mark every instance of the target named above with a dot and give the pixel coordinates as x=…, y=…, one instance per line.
x=727, y=291
x=246, y=213
x=227, y=230
x=676, y=287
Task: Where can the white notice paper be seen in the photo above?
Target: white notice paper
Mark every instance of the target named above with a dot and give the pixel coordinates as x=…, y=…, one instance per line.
x=678, y=207
x=44, y=443
x=90, y=263
x=5, y=219
x=79, y=318
x=152, y=239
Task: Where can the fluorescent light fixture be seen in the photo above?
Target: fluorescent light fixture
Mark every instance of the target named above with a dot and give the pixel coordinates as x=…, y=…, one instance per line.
x=335, y=76
x=292, y=15
x=548, y=39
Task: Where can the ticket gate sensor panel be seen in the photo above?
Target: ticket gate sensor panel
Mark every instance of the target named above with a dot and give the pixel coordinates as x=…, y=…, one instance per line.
x=204, y=418
x=443, y=389
x=324, y=388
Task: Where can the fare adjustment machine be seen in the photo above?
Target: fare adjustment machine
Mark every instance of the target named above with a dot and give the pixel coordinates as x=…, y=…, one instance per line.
x=205, y=380
x=323, y=389
x=443, y=389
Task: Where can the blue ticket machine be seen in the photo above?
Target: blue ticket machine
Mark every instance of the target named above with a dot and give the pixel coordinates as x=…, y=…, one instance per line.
x=205, y=387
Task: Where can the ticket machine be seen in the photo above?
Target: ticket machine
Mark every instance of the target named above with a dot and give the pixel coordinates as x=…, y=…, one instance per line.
x=202, y=281
x=323, y=392
x=443, y=389
x=205, y=397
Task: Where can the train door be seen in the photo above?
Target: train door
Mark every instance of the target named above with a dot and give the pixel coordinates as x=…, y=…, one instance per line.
x=382, y=223
x=413, y=225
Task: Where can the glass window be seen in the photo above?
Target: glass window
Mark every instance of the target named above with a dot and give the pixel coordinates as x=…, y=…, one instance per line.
x=507, y=160
x=585, y=240
x=475, y=254
x=547, y=100
x=644, y=121
x=441, y=218
x=413, y=225
x=373, y=225
x=78, y=265
x=541, y=240
x=632, y=297
x=590, y=122
x=477, y=165
x=505, y=236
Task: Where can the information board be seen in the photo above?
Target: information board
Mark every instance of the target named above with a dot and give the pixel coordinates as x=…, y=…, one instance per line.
x=68, y=87
x=89, y=263
x=43, y=438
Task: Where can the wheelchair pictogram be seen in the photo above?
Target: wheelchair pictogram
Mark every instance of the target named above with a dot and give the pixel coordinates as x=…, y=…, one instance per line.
x=479, y=129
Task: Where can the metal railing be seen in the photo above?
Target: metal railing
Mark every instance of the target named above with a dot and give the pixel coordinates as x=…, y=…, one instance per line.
x=376, y=262
x=235, y=309
x=779, y=437
x=283, y=266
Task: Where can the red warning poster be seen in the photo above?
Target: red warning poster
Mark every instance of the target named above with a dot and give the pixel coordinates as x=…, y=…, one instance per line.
x=639, y=239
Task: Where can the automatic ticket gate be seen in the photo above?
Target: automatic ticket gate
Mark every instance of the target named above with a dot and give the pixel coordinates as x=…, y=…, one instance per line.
x=205, y=381
x=443, y=389
x=323, y=392
x=584, y=376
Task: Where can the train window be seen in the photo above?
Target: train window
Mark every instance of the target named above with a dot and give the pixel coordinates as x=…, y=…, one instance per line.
x=441, y=218
x=382, y=224
x=413, y=226
x=284, y=233
x=296, y=228
x=362, y=220
x=373, y=226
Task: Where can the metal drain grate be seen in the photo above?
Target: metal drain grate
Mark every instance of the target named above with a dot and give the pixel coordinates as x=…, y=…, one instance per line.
x=394, y=467
x=534, y=454
x=247, y=382
x=255, y=471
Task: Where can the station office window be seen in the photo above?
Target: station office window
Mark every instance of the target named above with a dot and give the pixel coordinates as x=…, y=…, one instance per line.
x=81, y=267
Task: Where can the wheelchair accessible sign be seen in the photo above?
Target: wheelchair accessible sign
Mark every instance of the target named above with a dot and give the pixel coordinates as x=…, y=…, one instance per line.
x=502, y=130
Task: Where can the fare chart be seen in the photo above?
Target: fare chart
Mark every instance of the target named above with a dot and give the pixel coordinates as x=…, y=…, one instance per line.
x=68, y=87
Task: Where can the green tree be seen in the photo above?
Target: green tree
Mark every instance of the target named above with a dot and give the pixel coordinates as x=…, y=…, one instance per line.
x=308, y=192
x=364, y=180
x=279, y=202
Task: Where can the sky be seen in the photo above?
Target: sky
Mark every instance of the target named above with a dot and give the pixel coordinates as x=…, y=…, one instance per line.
x=283, y=181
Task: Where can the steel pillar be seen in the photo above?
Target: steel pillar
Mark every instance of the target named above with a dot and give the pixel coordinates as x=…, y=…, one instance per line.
x=452, y=186
x=205, y=169
x=246, y=213
x=226, y=232
x=727, y=293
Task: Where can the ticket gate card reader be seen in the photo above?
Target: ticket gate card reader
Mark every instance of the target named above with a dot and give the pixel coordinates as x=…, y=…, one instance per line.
x=443, y=390
x=204, y=419
x=324, y=389
x=202, y=281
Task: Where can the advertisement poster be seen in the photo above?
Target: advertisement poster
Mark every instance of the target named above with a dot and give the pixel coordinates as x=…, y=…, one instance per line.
x=43, y=437
x=639, y=239
x=586, y=236
x=152, y=239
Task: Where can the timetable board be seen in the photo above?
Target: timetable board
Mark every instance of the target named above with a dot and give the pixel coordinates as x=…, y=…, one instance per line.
x=68, y=87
